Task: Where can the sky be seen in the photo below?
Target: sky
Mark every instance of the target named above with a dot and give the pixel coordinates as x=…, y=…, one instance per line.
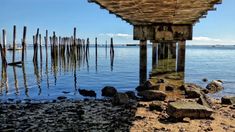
x=62, y=16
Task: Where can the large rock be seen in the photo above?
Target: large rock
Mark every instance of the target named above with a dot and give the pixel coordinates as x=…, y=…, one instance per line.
x=228, y=100
x=89, y=93
x=215, y=86
x=109, y=91
x=158, y=106
x=131, y=94
x=148, y=85
x=192, y=90
x=120, y=99
x=152, y=95
x=182, y=109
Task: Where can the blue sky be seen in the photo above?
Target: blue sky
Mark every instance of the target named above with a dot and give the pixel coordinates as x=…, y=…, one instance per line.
x=91, y=21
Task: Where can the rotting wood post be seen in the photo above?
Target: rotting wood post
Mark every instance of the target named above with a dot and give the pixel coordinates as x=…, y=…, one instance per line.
x=46, y=44
x=96, y=47
x=181, y=56
x=106, y=48
x=14, y=43
x=111, y=48
x=23, y=43
x=4, y=62
x=87, y=47
x=40, y=44
x=143, y=61
x=35, y=45
x=74, y=36
x=4, y=38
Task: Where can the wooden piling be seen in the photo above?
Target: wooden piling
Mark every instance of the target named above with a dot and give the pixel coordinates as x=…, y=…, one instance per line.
x=14, y=43
x=74, y=36
x=23, y=43
x=4, y=61
x=4, y=38
x=111, y=47
x=35, y=45
x=40, y=44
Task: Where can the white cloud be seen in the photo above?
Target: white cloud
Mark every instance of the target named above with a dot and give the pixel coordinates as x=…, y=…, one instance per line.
x=120, y=35
x=202, y=40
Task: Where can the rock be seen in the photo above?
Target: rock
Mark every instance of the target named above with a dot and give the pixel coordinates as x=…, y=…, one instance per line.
x=148, y=85
x=10, y=99
x=120, y=99
x=140, y=88
x=229, y=100
x=158, y=106
x=186, y=119
x=61, y=98
x=131, y=94
x=109, y=91
x=161, y=81
x=65, y=92
x=169, y=88
x=205, y=101
x=89, y=93
x=182, y=109
x=205, y=80
x=215, y=86
x=232, y=107
x=205, y=91
x=152, y=95
x=192, y=90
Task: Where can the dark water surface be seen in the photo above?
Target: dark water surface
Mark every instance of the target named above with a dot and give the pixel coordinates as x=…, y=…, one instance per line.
x=50, y=80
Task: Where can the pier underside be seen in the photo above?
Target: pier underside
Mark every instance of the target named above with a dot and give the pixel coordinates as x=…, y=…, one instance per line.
x=160, y=20
x=166, y=23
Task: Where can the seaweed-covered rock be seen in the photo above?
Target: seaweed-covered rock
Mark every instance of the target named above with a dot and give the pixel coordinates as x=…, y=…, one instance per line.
x=89, y=93
x=120, y=99
x=228, y=100
x=148, y=85
x=109, y=91
x=131, y=94
x=158, y=106
x=152, y=95
x=182, y=109
x=192, y=90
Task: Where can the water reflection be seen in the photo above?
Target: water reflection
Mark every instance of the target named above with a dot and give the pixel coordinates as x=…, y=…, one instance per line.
x=168, y=64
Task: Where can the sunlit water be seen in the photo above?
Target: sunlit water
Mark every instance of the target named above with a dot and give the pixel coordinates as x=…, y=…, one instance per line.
x=201, y=62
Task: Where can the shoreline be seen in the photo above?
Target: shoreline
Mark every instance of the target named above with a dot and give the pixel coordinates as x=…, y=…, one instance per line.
x=102, y=115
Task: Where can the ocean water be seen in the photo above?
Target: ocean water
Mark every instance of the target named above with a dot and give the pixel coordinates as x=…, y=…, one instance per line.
x=47, y=81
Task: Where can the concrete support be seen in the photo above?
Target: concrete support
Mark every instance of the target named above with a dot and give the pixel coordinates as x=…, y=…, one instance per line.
x=181, y=56
x=154, y=55
x=143, y=61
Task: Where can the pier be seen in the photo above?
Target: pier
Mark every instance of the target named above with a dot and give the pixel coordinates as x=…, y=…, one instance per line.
x=167, y=24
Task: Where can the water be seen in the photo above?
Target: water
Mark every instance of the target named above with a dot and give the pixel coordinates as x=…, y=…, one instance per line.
x=48, y=82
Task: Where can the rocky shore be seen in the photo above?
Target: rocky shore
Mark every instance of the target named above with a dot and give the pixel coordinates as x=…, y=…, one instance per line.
x=159, y=106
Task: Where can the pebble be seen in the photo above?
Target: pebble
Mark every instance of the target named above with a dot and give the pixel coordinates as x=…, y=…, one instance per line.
x=61, y=98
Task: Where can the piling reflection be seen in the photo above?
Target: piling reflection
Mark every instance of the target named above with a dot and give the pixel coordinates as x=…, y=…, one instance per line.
x=167, y=65
x=4, y=80
x=61, y=55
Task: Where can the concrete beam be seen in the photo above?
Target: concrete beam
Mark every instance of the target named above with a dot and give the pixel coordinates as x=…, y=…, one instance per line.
x=163, y=32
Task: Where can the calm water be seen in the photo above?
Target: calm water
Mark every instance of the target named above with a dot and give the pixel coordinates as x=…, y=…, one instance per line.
x=48, y=82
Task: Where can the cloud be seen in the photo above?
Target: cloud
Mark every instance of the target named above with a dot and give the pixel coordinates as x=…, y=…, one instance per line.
x=211, y=41
x=120, y=35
